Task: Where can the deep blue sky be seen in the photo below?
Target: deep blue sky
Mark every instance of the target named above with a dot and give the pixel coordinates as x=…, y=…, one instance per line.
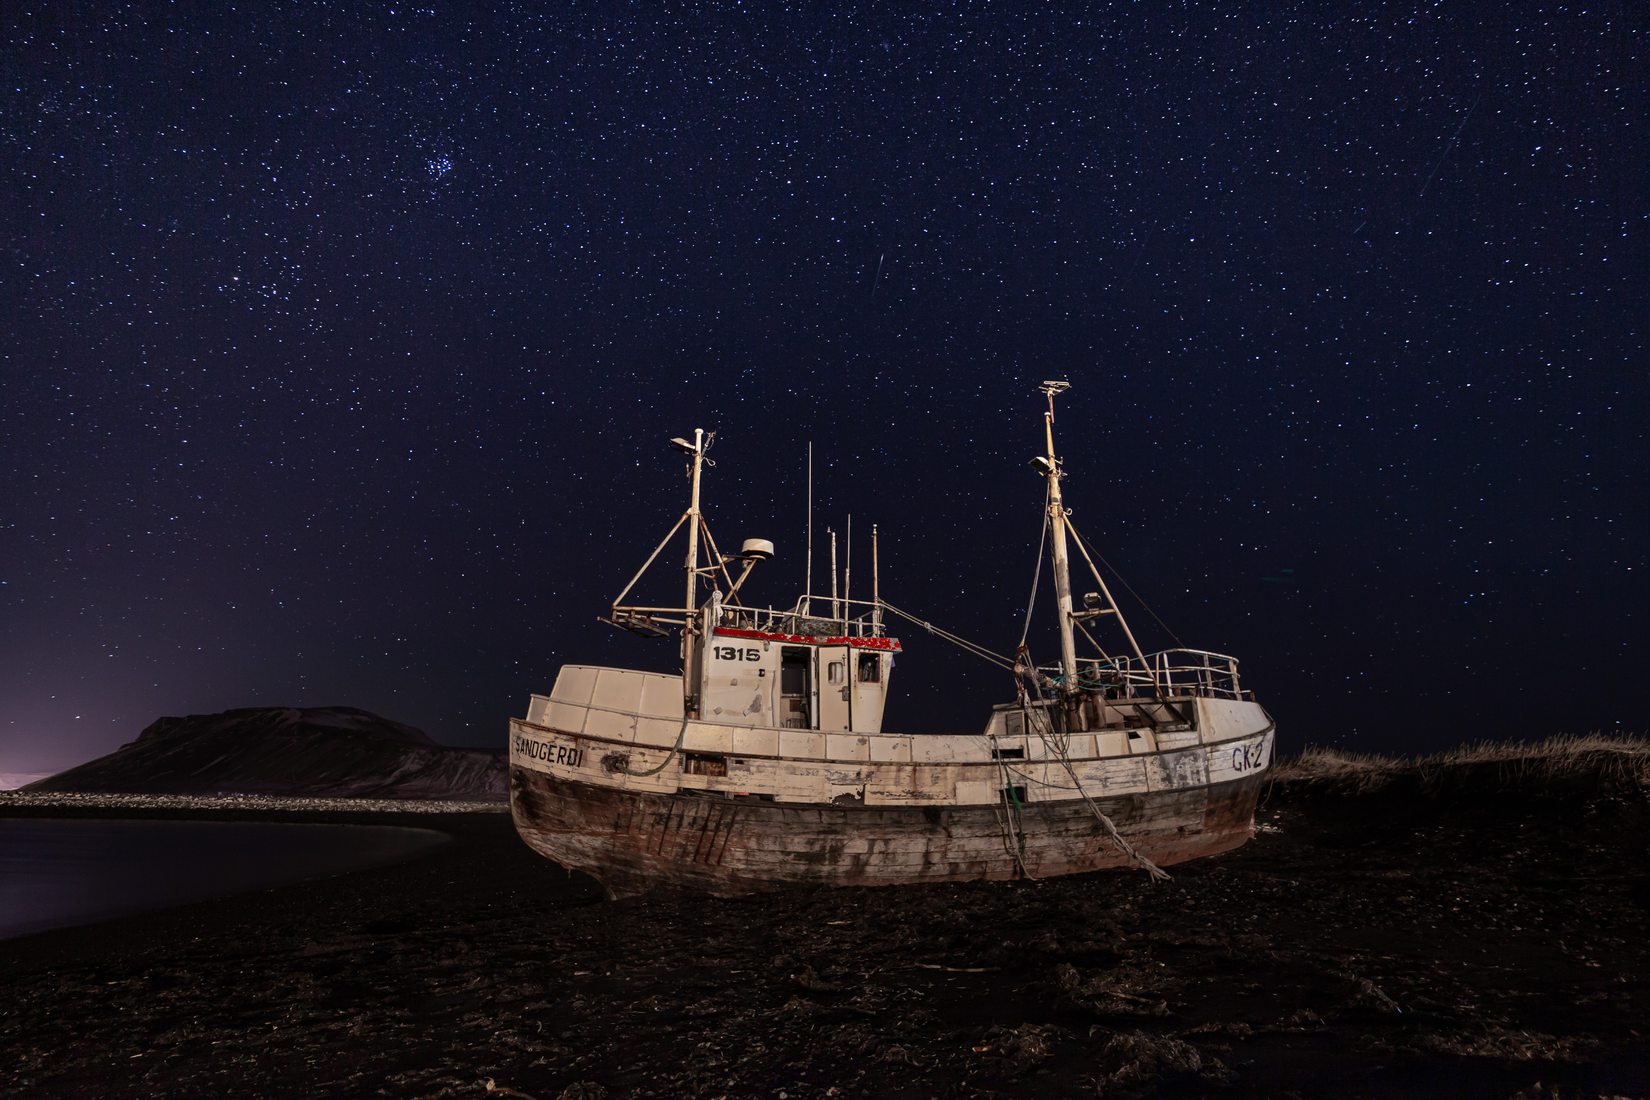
x=340, y=344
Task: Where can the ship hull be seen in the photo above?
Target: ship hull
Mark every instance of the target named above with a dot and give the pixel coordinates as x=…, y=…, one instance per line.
x=714, y=843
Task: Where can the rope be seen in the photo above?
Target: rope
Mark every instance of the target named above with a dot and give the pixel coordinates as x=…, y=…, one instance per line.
x=1015, y=844
x=622, y=764
x=1026, y=672
x=1059, y=746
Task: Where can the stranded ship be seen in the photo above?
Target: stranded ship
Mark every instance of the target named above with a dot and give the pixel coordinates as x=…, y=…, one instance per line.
x=763, y=763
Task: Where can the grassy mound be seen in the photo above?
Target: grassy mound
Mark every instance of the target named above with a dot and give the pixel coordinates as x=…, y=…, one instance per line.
x=1566, y=766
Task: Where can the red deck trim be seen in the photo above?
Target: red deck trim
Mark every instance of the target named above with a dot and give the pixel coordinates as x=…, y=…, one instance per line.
x=890, y=645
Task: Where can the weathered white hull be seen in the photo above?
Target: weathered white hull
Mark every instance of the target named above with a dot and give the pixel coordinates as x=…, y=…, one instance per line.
x=607, y=777
x=633, y=842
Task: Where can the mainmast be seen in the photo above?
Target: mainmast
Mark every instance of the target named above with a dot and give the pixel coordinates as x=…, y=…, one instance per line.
x=1050, y=467
x=697, y=451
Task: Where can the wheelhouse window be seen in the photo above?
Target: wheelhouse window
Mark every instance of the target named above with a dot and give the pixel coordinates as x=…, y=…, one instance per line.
x=870, y=668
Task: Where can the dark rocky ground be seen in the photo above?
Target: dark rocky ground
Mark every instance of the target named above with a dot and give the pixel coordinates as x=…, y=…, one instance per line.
x=1384, y=944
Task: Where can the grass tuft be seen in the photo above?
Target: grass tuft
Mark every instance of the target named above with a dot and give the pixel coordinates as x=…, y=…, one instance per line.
x=1612, y=760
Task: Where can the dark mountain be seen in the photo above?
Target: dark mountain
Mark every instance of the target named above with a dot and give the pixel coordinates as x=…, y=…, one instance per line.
x=309, y=751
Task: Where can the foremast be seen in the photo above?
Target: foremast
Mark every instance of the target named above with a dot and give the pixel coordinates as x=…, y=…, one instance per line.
x=694, y=520
x=847, y=657
x=653, y=621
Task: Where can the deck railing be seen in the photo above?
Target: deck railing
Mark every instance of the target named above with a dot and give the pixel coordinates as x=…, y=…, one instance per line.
x=811, y=615
x=1165, y=674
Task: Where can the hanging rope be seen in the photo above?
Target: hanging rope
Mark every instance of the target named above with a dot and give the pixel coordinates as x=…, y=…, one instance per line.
x=1012, y=821
x=1059, y=746
x=621, y=763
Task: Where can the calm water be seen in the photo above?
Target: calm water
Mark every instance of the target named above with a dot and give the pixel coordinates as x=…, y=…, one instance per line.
x=54, y=874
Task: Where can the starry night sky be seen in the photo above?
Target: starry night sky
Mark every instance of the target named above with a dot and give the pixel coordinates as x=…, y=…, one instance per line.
x=341, y=344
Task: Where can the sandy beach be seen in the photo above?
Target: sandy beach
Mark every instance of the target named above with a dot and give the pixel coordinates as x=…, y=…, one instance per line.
x=1389, y=944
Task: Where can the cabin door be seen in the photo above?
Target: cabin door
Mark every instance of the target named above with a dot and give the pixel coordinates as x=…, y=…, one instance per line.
x=795, y=688
x=835, y=709
x=870, y=674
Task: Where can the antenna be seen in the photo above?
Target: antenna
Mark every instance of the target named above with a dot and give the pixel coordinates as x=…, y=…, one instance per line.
x=1053, y=388
x=876, y=587
x=848, y=578
x=836, y=609
x=808, y=578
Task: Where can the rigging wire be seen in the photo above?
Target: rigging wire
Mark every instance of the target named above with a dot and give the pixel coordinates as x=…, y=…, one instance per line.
x=1090, y=551
x=1037, y=573
x=945, y=635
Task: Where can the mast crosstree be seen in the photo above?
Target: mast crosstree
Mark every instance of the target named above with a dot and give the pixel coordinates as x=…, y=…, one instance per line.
x=653, y=621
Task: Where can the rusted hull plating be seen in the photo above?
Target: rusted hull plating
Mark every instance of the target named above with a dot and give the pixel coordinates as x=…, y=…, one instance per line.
x=633, y=841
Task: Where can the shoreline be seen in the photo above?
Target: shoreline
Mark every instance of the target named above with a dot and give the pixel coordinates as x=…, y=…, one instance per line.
x=108, y=937
x=76, y=803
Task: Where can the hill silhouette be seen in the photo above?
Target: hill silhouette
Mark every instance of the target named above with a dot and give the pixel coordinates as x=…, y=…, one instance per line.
x=303, y=751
